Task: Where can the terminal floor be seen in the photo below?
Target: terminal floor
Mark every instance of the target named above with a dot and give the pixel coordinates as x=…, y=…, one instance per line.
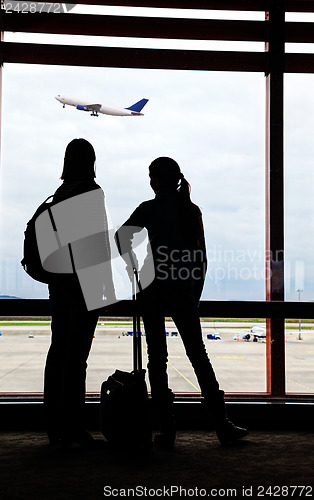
x=198, y=466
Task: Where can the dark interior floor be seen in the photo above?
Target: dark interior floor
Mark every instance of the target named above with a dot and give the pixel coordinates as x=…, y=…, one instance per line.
x=197, y=467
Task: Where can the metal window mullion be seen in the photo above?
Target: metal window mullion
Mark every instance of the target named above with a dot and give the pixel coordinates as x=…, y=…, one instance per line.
x=275, y=346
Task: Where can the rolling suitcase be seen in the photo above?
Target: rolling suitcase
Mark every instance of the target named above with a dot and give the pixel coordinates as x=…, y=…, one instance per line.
x=124, y=403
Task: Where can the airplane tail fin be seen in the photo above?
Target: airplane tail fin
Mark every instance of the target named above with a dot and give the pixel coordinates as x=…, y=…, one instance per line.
x=138, y=106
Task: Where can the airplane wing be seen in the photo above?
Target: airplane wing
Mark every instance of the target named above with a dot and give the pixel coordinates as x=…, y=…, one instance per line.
x=92, y=107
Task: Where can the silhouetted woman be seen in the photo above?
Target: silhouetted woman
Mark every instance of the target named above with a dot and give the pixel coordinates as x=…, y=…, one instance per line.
x=176, y=235
x=72, y=325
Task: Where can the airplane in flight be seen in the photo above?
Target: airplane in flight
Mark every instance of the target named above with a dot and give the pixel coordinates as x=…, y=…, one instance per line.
x=84, y=105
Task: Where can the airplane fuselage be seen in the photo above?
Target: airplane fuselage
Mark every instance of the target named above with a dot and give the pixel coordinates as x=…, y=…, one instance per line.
x=85, y=105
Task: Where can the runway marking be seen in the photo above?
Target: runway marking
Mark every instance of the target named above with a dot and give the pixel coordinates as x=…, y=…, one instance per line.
x=230, y=357
x=302, y=385
x=19, y=366
x=189, y=381
x=144, y=349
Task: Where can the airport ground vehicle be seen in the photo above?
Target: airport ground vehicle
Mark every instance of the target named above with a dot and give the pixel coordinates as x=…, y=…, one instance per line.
x=213, y=336
x=255, y=334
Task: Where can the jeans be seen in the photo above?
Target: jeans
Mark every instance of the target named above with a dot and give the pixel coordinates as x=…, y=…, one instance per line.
x=72, y=330
x=175, y=299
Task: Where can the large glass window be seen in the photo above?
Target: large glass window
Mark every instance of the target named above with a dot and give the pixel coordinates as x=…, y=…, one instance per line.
x=299, y=356
x=211, y=123
x=299, y=227
x=236, y=349
x=299, y=181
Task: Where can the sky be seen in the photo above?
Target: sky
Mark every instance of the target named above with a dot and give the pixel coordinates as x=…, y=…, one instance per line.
x=211, y=123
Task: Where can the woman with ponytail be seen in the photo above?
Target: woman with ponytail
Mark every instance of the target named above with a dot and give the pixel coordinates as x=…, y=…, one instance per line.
x=176, y=235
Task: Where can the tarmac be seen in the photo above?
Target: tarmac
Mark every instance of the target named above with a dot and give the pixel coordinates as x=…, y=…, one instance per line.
x=240, y=365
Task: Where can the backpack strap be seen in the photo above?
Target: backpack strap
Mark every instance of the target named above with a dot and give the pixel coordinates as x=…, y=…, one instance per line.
x=57, y=236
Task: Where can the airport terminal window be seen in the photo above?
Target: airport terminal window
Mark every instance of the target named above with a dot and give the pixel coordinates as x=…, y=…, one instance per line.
x=211, y=124
x=299, y=236
x=214, y=127
x=299, y=353
x=236, y=349
x=299, y=180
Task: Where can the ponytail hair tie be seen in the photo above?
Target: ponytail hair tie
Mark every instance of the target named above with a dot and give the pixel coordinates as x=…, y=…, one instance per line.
x=181, y=176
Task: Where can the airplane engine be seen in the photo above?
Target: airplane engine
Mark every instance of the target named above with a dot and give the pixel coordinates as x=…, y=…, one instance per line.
x=82, y=108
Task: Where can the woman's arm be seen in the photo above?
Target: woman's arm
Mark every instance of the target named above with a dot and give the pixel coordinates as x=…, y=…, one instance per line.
x=124, y=237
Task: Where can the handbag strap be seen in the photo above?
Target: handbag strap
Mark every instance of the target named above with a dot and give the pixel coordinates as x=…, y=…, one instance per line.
x=137, y=340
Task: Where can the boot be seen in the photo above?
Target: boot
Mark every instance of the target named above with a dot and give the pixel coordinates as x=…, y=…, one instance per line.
x=227, y=432
x=54, y=436
x=83, y=439
x=163, y=406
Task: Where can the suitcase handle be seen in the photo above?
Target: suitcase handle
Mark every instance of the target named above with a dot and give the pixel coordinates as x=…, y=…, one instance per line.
x=137, y=340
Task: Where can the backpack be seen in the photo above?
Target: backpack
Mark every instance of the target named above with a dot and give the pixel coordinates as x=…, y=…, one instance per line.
x=31, y=261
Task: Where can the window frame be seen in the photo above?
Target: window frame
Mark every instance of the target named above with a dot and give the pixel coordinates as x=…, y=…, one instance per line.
x=274, y=62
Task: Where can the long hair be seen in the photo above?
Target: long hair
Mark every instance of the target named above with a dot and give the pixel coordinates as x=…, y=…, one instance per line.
x=169, y=175
x=79, y=160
